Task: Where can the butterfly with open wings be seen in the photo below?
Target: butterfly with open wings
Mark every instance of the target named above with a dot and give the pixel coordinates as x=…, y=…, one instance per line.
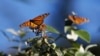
x=36, y=23
x=75, y=20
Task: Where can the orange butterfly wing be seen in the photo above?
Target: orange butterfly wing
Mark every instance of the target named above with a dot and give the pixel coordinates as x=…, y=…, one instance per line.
x=28, y=24
x=35, y=22
x=77, y=20
x=39, y=19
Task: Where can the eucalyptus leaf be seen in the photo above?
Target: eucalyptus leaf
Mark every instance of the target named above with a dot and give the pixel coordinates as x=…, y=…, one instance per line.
x=90, y=46
x=51, y=29
x=59, y=52
x=53, y=45
x=39, y=42
x=79, y=54
x=64, y=50
x=83, y=35
x=68, y=28
x=87, y=53
x=74, y=44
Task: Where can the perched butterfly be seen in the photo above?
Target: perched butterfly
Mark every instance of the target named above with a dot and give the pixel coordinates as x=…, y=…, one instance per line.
x=35, y=23
x=77, y=20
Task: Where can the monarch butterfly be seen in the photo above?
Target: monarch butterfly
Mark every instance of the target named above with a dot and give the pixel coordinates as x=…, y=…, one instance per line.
x=77, y=20
x=35, y=23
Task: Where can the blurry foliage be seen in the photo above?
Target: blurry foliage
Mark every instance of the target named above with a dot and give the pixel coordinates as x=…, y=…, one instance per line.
x=43, y=45
x=46, y=46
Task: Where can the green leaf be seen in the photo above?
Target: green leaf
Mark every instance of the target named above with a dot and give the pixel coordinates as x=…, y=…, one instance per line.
x=86, y=53
x=83, y=35
x=64, y=50
x=79, y=54
x=51, y=29
x=68, y=28
x=58, y=51
x=90, y=46
x=74, y=44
